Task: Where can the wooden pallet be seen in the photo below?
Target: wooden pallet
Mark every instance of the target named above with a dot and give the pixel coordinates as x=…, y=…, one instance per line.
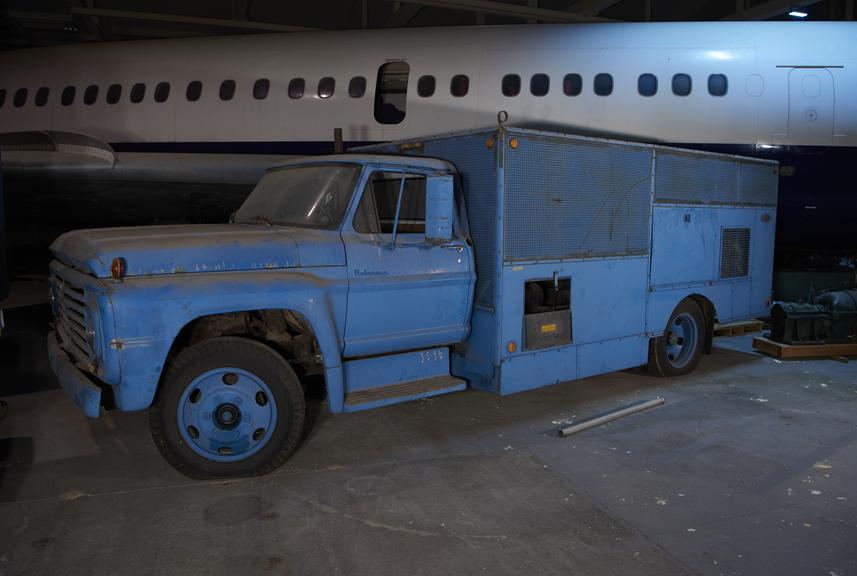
x=738, y=328
x=787, y=351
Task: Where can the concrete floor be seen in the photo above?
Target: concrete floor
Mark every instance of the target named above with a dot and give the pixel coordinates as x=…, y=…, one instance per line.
x=749, y=468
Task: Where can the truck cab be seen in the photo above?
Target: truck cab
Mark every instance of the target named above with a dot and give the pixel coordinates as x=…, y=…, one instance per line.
x=330, y=264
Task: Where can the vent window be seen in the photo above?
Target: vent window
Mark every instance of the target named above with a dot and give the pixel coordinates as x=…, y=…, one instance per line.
x=735, y=253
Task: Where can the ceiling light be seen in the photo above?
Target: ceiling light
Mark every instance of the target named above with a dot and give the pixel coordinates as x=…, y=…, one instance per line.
x=798, y=14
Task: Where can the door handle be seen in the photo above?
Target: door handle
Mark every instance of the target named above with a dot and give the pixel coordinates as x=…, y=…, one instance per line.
x=457, y=247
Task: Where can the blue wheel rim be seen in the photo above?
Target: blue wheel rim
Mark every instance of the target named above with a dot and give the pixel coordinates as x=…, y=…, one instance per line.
x=681, y=340
x=227, y=414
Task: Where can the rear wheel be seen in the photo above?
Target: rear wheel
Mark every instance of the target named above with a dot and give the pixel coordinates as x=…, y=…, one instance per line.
x=228, y=407
x=677, y=352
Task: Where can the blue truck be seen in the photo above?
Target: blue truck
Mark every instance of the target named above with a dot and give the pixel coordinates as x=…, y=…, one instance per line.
x=503, y=259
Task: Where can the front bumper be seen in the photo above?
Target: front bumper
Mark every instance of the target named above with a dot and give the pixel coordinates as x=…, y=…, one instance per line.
x=85, y=394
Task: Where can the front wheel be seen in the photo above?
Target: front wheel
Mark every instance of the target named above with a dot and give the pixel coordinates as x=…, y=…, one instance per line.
x=228, y=407
x=677, y=352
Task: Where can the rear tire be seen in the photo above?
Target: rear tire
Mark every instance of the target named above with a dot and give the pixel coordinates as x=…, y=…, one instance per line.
x=677, y=352
x=228, y=407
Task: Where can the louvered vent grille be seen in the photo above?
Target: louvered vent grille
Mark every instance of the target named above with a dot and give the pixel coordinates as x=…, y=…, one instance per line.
x=735, y=253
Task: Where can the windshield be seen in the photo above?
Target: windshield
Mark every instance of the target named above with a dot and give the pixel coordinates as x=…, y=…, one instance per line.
x=309, y=196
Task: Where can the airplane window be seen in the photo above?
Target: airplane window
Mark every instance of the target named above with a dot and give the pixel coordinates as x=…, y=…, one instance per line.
x=194, y=91
x=138, y=90
x=459, y=85
x=357, y=87
x=391, y=92
x=114, y=93
x=227, y=89
x=510, y=85
x=540, y=84
x=326, y=86
x=572, y=85
x=681, y=84
x=717, y=85
x=67, y=97
x=2, y=97
x=42, y=96
x=260, y=88
x=647, y=84
x=426, y=86
x=20, y=97
x=603, y=84
x=90, y=95
x=296, y=88
x=162, y=91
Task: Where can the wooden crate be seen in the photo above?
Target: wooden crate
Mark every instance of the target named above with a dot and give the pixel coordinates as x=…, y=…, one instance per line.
x=738, y=328
x=786, y=351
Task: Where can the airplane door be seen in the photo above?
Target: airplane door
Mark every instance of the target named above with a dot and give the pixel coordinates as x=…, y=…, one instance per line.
x=811, y=106
x=410, y=296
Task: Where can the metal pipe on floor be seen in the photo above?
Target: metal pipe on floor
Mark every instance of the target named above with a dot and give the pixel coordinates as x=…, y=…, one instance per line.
x=575, y=428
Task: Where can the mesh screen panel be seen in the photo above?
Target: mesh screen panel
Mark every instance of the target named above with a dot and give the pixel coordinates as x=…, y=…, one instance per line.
x=687, y=178
x=758, y=184
x=735, y=253
x=571, y=198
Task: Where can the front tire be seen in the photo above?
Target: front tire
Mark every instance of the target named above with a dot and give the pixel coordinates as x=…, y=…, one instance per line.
x=228, y=407
x=677, y=352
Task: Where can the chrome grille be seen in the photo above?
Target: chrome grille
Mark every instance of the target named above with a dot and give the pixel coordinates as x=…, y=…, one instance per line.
x=71, y=318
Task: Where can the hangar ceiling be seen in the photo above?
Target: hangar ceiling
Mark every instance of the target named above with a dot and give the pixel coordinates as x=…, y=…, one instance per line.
x=28, y=23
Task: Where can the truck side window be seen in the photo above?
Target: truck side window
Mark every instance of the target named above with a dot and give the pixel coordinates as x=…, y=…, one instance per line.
x=376, y=212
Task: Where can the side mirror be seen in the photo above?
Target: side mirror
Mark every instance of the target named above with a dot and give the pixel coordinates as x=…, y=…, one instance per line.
x=439, y=208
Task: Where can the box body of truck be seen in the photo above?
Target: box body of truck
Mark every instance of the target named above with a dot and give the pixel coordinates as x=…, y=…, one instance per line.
x=630, y=230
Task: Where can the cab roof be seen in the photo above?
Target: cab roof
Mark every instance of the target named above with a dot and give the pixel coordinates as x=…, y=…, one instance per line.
x=414, y=161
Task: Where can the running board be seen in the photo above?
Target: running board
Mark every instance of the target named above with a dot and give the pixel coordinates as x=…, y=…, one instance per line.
x=402, y=392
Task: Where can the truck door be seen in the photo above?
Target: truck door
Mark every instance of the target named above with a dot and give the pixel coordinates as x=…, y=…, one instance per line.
x=403, y=292
x=811, y=106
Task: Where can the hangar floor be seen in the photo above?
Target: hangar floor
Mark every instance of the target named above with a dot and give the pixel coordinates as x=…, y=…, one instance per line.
x=749, y=468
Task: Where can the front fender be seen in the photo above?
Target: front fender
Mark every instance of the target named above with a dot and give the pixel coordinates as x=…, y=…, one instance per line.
x=150, y=312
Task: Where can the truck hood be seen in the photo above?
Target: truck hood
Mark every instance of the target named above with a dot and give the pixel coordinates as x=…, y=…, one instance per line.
x=156, y=250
